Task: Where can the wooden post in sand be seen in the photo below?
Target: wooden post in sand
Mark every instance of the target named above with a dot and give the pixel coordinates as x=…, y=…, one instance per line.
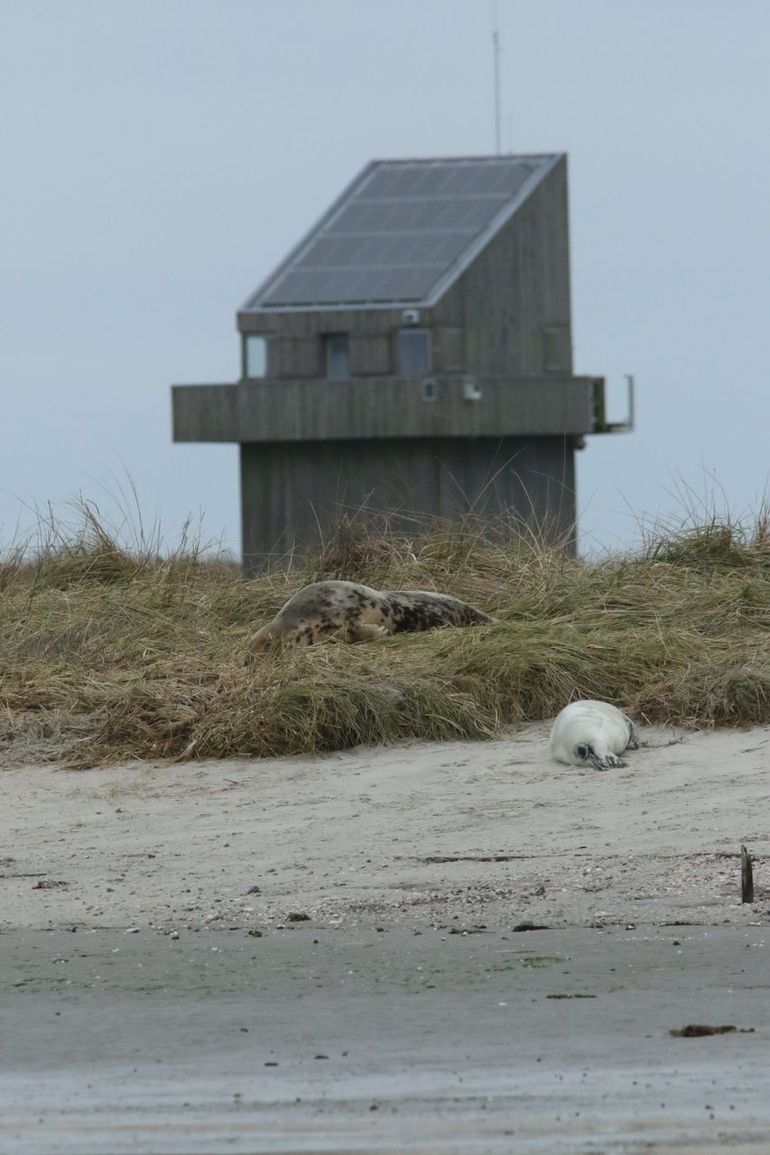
x=747, y=876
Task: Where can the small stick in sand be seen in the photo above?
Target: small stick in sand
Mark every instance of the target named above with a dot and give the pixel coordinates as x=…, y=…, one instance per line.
x=747, y=876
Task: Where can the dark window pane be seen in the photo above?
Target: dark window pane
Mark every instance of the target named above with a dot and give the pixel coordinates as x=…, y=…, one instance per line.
x=337, y=356
x=413, y=352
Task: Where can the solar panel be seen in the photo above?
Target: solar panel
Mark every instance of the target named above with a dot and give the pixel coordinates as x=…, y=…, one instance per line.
x=402, y=228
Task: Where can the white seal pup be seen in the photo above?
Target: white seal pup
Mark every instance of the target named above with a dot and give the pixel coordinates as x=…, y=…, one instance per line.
x=595, y=732
x=358, y=613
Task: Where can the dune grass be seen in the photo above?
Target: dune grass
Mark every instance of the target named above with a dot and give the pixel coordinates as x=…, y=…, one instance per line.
x=110, y=652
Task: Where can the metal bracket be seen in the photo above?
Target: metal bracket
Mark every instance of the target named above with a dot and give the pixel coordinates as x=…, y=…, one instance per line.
x=626, y=426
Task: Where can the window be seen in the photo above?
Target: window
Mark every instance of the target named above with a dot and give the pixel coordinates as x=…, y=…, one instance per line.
x=255, y=356
x=413, y=347
x=336, y=356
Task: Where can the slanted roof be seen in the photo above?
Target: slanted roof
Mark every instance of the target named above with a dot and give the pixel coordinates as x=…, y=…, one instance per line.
x=402, y=233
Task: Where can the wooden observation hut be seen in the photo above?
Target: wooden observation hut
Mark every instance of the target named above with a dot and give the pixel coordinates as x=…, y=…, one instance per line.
x=412, y=355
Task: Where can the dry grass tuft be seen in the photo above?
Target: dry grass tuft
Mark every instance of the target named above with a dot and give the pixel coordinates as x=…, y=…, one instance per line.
x=109, y=652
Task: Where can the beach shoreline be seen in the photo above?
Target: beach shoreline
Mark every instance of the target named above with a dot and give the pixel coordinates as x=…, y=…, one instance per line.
x=341, y=954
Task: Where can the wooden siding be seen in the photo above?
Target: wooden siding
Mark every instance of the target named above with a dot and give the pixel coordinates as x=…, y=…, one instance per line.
x=296, y=323
x=376, y=408
x=295, y=356
x=370, y=353
x=296, y=348
x=292, y=495
x=449, y=354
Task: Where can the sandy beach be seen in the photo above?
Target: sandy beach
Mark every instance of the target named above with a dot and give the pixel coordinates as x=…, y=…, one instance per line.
x=330, y=954
x=409, y=836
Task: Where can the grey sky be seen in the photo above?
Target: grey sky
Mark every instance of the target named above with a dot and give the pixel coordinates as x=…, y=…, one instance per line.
x=160, y=157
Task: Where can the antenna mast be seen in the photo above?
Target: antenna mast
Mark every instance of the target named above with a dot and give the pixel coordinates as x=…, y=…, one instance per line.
x=496, y=61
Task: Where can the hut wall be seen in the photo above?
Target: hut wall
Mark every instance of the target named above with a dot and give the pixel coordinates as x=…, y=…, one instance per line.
x=294, y=493
x=511, y=307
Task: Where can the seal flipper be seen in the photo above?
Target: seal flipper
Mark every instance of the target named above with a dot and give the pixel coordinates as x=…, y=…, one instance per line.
x=585, y=753
x=607, y=762
x=366, y=632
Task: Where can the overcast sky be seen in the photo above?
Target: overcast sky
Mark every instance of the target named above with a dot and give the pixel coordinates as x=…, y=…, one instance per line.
x=159, y=157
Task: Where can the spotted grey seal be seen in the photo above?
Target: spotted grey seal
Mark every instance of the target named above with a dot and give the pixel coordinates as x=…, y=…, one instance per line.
x=357, y=613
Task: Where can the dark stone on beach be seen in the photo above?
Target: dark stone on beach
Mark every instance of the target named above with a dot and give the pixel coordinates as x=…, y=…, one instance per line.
x=700, y=1030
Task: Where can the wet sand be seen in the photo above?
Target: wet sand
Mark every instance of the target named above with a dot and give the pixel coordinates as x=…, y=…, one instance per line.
x=321, y=1041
